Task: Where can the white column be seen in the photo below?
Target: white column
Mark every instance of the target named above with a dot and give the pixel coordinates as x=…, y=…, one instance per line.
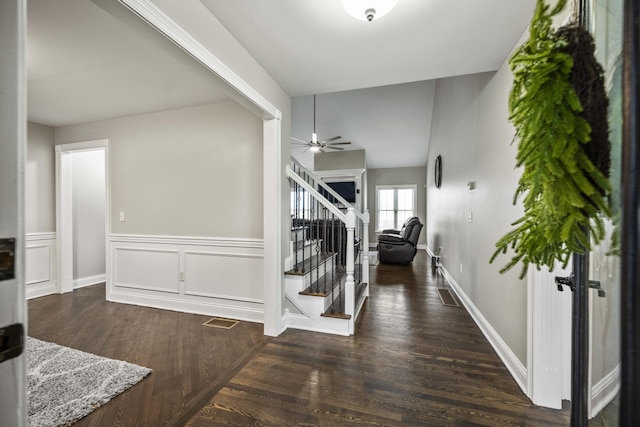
x=365, y=249
x=350, y=294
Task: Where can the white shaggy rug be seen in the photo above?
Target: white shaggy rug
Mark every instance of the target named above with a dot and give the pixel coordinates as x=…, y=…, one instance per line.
x=64, y=385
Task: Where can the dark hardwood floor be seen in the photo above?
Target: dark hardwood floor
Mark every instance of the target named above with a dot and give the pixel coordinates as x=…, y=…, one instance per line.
x=190, y=362
x=412, y=362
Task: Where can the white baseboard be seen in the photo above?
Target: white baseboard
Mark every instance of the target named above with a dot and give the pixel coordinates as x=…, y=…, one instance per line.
x=512, y=363
x=605, y=391
x=38, y=290
x=88, y=281
x=207, y=307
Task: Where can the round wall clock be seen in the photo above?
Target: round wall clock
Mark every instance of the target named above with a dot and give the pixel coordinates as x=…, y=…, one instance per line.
x=438, y=171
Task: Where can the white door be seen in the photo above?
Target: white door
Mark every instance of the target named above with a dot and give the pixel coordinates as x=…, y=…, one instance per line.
x=12, y=146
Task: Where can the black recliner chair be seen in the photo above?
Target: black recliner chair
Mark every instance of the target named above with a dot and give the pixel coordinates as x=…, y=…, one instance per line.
x=399, y=246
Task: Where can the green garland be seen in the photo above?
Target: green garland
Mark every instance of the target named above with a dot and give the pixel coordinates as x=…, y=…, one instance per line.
x=564, y=194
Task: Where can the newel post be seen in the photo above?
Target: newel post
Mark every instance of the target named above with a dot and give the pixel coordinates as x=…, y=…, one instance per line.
x=350, y=293
x=365, y=248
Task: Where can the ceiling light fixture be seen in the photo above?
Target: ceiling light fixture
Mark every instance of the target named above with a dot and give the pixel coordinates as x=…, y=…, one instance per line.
x=368, y=10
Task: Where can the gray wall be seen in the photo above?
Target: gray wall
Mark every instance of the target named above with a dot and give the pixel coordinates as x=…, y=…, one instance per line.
x=88, y=207
x=472, y=133
x=188, y=172
x=339, y=160
x=396, y=176
x=40, y=192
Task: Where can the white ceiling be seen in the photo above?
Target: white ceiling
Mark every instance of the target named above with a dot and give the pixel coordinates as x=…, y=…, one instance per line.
x=316, y=47
x=92, y=60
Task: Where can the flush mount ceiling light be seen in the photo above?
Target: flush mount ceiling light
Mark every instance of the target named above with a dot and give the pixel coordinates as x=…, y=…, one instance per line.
x=368, y=10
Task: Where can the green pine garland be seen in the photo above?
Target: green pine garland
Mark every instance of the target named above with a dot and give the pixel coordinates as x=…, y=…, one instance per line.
x=564, y=194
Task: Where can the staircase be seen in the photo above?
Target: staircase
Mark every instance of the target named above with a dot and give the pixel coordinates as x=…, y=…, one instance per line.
x=326, y=282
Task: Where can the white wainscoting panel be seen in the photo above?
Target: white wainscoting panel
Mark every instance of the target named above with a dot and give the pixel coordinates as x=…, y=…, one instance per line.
x=152, y=269
x=212, y=276
x=40, y=262
x=224, y=275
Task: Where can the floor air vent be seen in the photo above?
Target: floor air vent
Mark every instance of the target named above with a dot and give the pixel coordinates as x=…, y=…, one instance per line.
x=218, y=322
x=447, y=298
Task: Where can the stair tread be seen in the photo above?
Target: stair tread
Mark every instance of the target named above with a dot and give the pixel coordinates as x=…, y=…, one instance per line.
x=336, y=315
x=360, y=287
x=339, y=277
x=308, y=265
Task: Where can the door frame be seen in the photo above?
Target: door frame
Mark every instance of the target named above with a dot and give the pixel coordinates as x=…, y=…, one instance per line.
x=64, y=211
x=13, y=143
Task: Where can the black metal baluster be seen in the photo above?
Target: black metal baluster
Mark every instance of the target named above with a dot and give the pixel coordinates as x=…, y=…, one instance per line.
x=304, y=229
x=317, y=232
x=333, y=261
x=323, y=247
x=296, y=216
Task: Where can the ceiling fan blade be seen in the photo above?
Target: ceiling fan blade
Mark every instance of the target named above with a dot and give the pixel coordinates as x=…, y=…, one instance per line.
x=306, y=144
x=339, y=143
x=300, y=140
x=334, y=148
x=330, y=139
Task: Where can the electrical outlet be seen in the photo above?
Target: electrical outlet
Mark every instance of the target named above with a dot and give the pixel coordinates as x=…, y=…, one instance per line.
x=470, y=217
x=122, y=216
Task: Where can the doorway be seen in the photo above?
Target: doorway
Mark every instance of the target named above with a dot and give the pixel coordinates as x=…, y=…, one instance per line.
x=82, y=213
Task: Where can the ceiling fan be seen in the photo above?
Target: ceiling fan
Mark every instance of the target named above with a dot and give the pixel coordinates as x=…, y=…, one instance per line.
x=314, y=145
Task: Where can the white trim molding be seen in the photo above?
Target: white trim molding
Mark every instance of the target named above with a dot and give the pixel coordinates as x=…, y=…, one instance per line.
x=605, y=391
x=40, y=264
x=170, y=29
x=83, y=282
x=204, y=275
x=548, y=338
x=512, y=363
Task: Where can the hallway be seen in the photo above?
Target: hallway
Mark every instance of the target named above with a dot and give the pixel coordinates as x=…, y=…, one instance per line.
x=412, y=362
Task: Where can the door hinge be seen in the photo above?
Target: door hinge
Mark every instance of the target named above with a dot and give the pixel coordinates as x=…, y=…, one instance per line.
x=7, y=258
x=11, y=341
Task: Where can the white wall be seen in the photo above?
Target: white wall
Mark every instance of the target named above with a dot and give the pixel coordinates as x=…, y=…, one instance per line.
x=88, y=207
x=188, y=172
x=472, y=133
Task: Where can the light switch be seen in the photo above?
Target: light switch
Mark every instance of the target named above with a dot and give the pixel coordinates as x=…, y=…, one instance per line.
x=470, y=217
x=121, y=216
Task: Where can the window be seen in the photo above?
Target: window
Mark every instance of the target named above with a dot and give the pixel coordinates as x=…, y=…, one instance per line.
x=395, y=203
